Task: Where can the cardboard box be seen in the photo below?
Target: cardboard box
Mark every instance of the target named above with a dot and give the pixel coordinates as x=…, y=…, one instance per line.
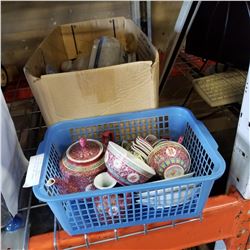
x=93, y=92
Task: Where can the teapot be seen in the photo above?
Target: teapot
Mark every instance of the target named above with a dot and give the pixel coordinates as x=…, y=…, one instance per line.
x=83, y=160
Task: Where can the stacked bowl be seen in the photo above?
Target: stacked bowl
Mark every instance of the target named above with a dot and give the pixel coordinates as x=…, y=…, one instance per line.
x=169, y=159
x=124, y=167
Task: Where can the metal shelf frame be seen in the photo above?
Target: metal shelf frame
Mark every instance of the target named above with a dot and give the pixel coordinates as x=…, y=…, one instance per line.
x=224, y=217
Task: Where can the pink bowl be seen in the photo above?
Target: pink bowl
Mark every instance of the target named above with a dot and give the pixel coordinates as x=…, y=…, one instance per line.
x=169, y=158
x=125, y=167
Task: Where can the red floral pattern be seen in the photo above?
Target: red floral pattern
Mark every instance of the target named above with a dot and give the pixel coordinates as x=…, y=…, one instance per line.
x=76, y=181
x=167, y=155
x=121, y=171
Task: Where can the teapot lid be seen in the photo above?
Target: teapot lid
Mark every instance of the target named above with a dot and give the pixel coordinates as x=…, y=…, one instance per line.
x=84, y=150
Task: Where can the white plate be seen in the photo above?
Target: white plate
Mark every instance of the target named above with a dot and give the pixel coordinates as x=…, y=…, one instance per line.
x=178, y=177
x=157, y=200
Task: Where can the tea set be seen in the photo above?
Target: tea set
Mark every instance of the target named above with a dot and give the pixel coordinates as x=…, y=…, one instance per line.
x=89, y=164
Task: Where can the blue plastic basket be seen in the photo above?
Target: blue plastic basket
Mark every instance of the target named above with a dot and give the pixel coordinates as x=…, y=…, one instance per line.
x=149, y=202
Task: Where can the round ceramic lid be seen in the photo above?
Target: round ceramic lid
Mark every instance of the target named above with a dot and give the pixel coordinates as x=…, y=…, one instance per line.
x=84, y=150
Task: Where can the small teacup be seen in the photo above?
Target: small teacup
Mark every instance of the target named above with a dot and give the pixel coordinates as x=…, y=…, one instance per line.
x=109, y=206
x=104, y=181
x=112, y=206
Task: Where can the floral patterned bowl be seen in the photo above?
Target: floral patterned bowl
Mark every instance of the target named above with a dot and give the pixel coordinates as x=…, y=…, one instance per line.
x=170, y=159
x=126, y=168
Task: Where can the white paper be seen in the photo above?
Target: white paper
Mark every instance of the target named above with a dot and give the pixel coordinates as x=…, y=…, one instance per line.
x=34, y=171
x=13, y=162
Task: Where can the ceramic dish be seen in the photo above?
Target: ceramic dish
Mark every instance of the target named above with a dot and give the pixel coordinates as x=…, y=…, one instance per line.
x=178, y=177
x=138, y=151
x=168, y=197
x=169, y=154
x=144, y=143
x=126, y=168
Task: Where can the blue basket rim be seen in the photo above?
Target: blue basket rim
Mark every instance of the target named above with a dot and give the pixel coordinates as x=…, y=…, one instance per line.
x=122, y=189
x=132, y=188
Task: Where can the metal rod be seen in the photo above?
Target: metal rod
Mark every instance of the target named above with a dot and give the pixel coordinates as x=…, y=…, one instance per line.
x=160, y=227
x=135, y=12
x=215, y=225
x=86, y=240
x=144, y=232
x=185, y=18
x=187, y=221
x=75, y=247
x=116, y=235
x=92, y=243
x=132, y=234
x=55, y=234
x=35, y=206
x=26, y=227
x=102, y=241
x=173, y=223
x=149, y=20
